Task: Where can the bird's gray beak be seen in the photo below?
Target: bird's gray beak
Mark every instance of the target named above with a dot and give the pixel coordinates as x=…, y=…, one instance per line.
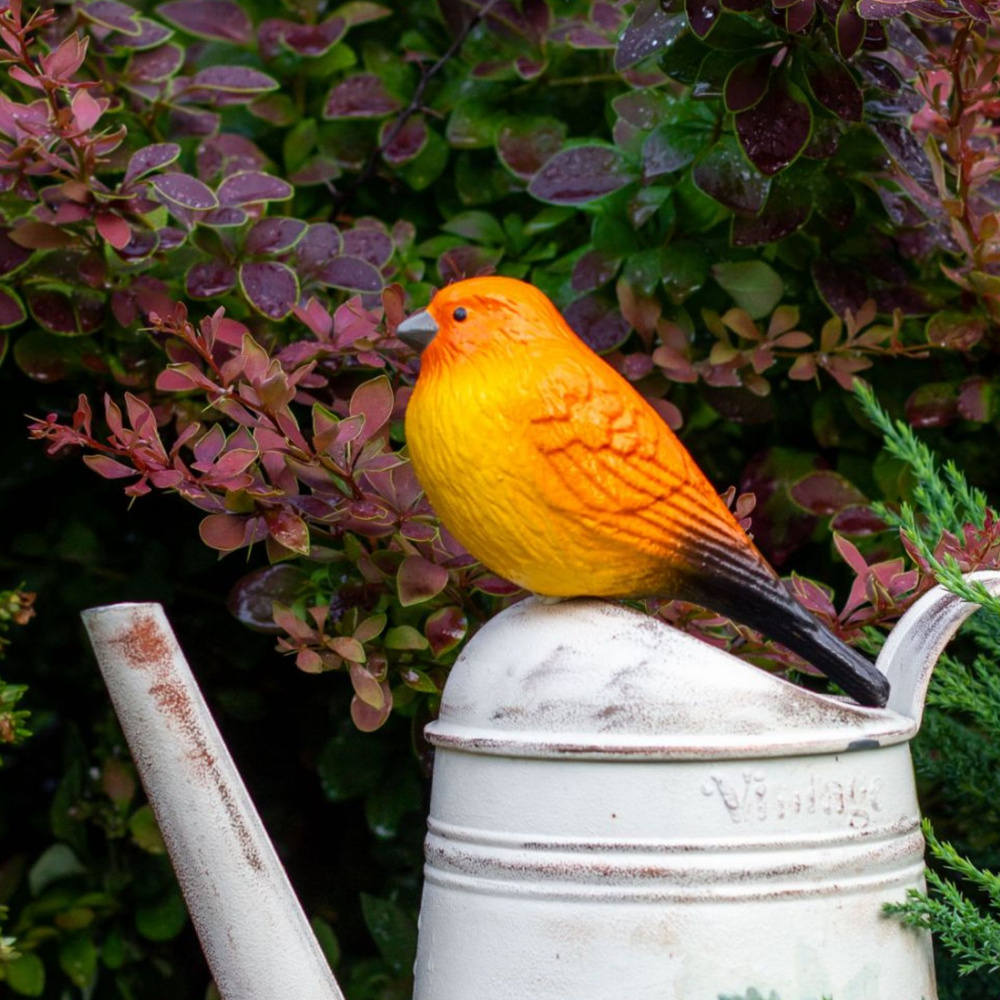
x=418, y=330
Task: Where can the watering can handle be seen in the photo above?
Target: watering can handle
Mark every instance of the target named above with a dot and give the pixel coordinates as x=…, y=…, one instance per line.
x=918, y=640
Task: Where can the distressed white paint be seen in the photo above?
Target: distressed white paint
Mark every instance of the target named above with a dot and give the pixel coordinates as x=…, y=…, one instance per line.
x=257, y=941
x=620, y=810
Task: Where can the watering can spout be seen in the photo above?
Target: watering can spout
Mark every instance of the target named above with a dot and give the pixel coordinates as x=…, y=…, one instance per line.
x=918, y=640
x=255, y=936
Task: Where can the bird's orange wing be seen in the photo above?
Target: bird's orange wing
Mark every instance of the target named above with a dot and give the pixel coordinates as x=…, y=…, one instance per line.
x=613, y=463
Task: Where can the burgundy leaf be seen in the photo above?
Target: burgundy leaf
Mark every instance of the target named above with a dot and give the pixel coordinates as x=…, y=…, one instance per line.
x=368, y=719
x=932, y=405
x=250, y=186
x=308, y=40
x=39, y=236
x=525, y=144
x=724, y=174
x=351, y=273
x=193, y=121
x=107, y=467
x=227, y=154
x=834, y=87
x=956, y=330
x=170, y=238
x=156, y=64
x=224, y=532
x=445, y=629
x=185, y=191
x=975, y=10
x=319, y=169
x=787, y=208
x=12, y=255
x=274, y=235
x=842, y=288
x=220, y=20
x=369, y=243
x=850, y=31
x=825, y=492
x=876, y=10
x=251, y=601
x=467, y=262
x=747, y=82
x=649, y=32
x=407, y=142
x=594, y=269
x=321, y=242
x=528, y=68
x=975, y=399
x=150, y=35
x=907, y=153
x=53, y=311
x=288, y=529
x=581, y=174
x=799, y=16
x=374, y=401
x=210, y=279
x=11, y=311
x=860, y=520
x=907, y=299
x=114, y=229
x=271, y=288
x=419, y=580
x=223, y=218
x=233, y=80
x=111, y=14
x=601, y=326
x=360, y=96
x=777, y=128
x=702, y=15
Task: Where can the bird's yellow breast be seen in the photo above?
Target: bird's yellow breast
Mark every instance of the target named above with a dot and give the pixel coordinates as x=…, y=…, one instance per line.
x=488, y=440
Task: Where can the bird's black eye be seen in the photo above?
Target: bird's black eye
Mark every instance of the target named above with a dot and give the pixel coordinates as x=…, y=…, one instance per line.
x=460, y=314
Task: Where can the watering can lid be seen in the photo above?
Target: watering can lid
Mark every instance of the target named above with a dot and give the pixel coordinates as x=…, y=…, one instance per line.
x=588, y=678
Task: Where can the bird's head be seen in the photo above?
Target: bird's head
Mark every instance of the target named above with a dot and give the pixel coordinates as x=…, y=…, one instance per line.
x=481, y=314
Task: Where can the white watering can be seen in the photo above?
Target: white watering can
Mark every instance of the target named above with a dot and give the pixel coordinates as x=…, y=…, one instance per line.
x=618, y=811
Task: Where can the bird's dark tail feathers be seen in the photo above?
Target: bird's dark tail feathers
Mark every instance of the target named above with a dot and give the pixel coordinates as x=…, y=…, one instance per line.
x=749, y=594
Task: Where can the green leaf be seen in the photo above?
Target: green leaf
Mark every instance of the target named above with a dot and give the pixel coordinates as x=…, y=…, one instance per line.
x=145, y=832
x=58, y=862
x=78, y=959
x=113, y=951
x=26, y=975
x=480, y=227
x=393, y=930
x=405, y=637
x=327, y=939
x=401, y=792
x=350, y=764
x=162, y=920
x=753, y=285
x=684, y=269
x=423, y=171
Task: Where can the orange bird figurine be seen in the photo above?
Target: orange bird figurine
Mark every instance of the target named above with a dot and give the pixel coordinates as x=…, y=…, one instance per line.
x=554, y=472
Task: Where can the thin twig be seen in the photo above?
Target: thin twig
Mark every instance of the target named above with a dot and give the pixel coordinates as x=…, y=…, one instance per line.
x=413, y=107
